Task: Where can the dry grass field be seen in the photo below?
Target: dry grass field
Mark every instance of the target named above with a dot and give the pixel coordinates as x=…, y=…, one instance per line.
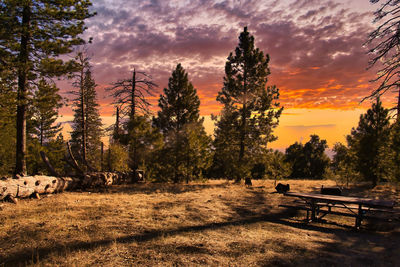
x=213, y=224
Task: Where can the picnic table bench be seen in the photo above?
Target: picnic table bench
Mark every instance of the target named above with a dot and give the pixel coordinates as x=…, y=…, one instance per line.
x=320, y=205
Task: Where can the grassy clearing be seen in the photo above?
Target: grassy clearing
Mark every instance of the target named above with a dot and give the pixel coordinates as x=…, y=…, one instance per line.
x=214, y=223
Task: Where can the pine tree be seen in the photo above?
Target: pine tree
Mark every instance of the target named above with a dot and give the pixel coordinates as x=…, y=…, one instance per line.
x=178, y=117
x=46, y=102
x=179, y=105
x=252, y=107
x=224, y=164
x=87, y=125
x=33, y=35
x=369, y=142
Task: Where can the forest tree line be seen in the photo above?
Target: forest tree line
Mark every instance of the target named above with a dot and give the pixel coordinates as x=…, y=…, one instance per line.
x=171, y=145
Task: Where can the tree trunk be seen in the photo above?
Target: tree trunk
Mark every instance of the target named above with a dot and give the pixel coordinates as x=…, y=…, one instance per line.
x=109, y=165
x=83, y=118
x=132, y=119
x=133, y=95
x=176, y=163
x=116, y=135
x=102, y=157
x=49, y=167
x=242, y=143
x=27, y=186
x=104, y=179
x=74, y=163
x=20, y=166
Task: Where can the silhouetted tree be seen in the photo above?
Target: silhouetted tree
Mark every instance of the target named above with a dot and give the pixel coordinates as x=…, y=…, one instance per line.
x=308, y=160
x=33, y=35
x=295, y=156
x=317, y=160
x=252, y=108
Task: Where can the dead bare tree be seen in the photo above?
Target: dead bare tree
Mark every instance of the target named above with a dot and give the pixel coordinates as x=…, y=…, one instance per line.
x=384, y=43
x=130, y=94
x=130, y=98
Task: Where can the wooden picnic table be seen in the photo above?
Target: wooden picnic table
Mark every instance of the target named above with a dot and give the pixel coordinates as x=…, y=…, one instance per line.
x=317, y=202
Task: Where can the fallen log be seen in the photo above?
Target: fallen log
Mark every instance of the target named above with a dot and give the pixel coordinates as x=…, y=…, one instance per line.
x=34, y=186
x=104, y=179
x=27, y=186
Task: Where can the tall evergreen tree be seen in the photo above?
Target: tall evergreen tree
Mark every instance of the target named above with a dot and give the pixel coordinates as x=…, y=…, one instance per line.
x=224, y=164
x=87, y=125
x=33, y=35
x=179, y=105
x=178, y=117
x=46, y=102
x=369, y=142
x=252, y=107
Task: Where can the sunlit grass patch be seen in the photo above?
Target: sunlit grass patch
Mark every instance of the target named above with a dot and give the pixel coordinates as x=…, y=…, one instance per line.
x=214, y=223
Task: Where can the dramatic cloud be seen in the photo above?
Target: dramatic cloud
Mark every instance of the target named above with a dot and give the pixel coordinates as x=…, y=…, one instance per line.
x=315, y=46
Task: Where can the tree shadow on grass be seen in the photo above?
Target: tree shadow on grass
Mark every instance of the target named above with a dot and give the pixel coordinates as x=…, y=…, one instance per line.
x=254, y=207
x=27, y=256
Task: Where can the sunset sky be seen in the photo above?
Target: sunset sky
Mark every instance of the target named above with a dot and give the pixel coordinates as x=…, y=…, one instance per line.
x=316, y=48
